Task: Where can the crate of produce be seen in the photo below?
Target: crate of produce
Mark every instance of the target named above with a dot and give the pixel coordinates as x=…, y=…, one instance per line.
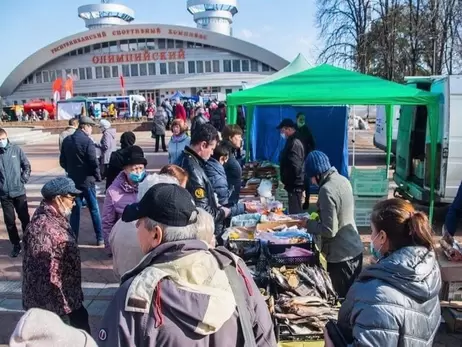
x=369, y=182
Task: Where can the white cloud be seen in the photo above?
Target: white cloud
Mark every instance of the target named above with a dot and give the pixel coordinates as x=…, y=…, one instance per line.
x=248, y=34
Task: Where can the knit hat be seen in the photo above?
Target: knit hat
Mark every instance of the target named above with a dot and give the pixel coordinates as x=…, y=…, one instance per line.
x=317, y=163
x=104, y=124
x=59, y=186
x=134, y=155
x=40, y=328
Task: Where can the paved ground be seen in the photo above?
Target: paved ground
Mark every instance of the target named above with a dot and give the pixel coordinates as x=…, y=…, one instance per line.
x=98, y=281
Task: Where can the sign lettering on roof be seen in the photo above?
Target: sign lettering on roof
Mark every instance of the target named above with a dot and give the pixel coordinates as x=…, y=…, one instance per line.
x=138, y=57
x=113, y=35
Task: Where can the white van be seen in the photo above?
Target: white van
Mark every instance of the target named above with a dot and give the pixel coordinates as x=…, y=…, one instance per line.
x=380, y=135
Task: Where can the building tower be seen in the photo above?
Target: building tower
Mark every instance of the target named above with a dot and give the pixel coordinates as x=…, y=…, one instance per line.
x=105, y=14
x=213, y=15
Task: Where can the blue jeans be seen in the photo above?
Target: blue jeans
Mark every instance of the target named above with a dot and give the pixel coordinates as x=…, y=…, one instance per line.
x=89, y=194
x=454, y=213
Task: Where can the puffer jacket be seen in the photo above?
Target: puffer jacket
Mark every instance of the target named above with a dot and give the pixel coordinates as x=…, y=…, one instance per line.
x=14, y=171
x=108, y=145
x=166, y=302
x=159, y=123
x=120, y=194
x=394, y=302
x=176, y=146
x=200, y=187
x=336, y=228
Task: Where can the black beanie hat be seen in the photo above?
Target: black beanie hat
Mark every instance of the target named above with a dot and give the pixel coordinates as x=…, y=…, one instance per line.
x=134, y=155
x=127, y=139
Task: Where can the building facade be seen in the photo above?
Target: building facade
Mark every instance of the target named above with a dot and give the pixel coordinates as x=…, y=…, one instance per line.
x=155, y=61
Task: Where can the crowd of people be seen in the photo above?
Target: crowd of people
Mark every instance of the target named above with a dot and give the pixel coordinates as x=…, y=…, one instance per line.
x=178, y=285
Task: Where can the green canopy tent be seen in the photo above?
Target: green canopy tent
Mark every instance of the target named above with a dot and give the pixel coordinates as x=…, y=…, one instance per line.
x=327, y=85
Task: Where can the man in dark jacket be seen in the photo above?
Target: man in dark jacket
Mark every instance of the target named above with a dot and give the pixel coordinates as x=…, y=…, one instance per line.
x=309, y=144
x=14, y=174
x=198, y=120
x=193, y=160
x=292, y=165
x=78, y=158
x=182, y=293
x=232, y=134
x=116, y=162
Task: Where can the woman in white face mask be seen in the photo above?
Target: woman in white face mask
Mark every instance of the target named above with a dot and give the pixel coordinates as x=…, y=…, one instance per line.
x=52, y=278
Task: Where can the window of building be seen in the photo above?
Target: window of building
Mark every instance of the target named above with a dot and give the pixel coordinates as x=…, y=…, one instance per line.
x=226, y=65
x=82, y=73
x=115, y=71
x=254, y=66
x=59, y=73
x=133, y=44
x=97, y=48
x=245, y=66
x=228, y=91
x=180, y=67
x=30, y=79
x=52, y=75
x=126, y=70
x=143, y=70
x=99, y=72
x=142, y=44
x=163, y=68
x=86, y=49
x=216, y=66
x=68, y=72
x=161, y=43
x=152, y=69
x=89, y=73
x=80, y=51
x=200, y=66
x=134, y=70
x=75, y=73
x=179, y=44
x=105, y=47
x=113, y=47
x=45, y=77
x=124, y=46
x=72, y=53
x=190, y=44
x=265, y=68
x=191, y=67
x=208, y=66
x=236, y=65
x=172, y=68
x=107, y=71
x=170, y=43
x=151, y=44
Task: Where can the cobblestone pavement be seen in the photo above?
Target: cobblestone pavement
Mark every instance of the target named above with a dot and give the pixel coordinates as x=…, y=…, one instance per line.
x=99, y=283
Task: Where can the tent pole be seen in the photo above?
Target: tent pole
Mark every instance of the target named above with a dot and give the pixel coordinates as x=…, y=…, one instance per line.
x=354, y=137
x=389, y=129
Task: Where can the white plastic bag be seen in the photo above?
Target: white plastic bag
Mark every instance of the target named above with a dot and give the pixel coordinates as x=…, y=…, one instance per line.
x=265, y=188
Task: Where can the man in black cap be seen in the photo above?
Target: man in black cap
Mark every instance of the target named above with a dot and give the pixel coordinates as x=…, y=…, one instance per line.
x=182, y=292
x=292, y=159
x=78, y=158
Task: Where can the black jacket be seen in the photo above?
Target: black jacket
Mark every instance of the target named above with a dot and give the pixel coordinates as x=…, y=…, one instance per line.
x=78, y=158
x=14, y=171
x=292, y=165
x=306, y=136
x=234, y=175
x=197, y=122
x=200, y=187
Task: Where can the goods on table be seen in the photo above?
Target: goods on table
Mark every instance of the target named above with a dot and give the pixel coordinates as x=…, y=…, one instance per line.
x=451, y=248
x=284, y=235
x=305, y=299
x=246, y=220
x=253, y=173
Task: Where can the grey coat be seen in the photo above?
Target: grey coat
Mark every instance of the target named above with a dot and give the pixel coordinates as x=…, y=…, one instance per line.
x=337, y=228
x=14, y=171
x=107, y=145
x=159, y=123
x=64, y=134
x=394, y=302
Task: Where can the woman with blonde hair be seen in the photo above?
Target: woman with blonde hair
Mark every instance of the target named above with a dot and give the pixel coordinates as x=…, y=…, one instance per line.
x=179, y=140
x=395, y=302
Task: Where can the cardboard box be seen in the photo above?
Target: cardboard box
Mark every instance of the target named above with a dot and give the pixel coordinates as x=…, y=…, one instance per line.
x=450, y=271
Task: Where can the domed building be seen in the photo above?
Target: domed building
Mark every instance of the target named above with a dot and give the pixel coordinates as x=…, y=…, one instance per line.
x=155, y=60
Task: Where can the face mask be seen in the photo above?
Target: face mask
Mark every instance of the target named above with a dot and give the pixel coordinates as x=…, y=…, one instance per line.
x=65, y=211
x=3, y=143
x=134, y=177
x=301, y=123
x=375, y=252
x=284, y=136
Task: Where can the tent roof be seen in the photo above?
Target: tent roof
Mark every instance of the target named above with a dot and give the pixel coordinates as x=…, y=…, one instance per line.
x=297, y=65
x=329, y=85
x=75, y=99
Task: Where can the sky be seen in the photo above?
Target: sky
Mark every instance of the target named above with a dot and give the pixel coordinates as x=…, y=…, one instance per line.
x=28, y=25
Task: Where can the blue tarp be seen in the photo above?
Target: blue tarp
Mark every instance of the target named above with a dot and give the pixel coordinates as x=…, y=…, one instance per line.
x=177, y=95
x=328, y=124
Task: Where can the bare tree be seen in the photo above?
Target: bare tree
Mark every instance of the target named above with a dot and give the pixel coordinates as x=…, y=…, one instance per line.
x=343, y=27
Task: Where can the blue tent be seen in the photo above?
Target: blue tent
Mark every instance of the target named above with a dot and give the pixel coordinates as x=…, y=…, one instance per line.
x=178, y=95
x=329, y=126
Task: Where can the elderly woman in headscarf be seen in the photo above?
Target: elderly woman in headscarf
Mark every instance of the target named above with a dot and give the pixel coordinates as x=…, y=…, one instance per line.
x=107, y=145
x=52, y=278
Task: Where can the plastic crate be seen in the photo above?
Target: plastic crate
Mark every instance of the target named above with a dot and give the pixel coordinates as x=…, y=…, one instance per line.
x=369, y=182
x=367, y=203
x=363, y=217
x=377, y=174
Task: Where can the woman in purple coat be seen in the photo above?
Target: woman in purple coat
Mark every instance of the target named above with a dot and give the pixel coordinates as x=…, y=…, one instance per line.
x=123, y=191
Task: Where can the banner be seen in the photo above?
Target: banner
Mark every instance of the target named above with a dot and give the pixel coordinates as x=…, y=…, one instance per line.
x=56, y=89
x=69, y=88
x=122, y=85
